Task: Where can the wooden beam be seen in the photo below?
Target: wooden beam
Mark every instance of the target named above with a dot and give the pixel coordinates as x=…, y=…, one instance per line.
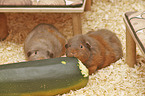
x=76, y=20
x=88, y=5
x=130, y=49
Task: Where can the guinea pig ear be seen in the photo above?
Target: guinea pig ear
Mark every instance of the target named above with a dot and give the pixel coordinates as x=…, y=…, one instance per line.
x=29, y=54
x=66, y=45
x=88, y=45
x=50, y=54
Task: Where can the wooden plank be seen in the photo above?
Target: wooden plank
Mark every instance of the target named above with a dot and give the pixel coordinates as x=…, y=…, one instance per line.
x=45, y=9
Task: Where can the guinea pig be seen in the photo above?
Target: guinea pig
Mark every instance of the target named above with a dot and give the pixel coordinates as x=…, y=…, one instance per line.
x=96, y=49
x=15, y=2
x=3, y=26
x=44, y=42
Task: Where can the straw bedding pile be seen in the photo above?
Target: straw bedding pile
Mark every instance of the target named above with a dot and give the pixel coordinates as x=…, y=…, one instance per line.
x=115, y=80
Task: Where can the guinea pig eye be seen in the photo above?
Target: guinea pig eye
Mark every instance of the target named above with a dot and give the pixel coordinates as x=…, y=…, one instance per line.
x=81, y=46
x=35, y=52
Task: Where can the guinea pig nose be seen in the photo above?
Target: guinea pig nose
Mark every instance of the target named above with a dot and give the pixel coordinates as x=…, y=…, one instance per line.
x=73, y=53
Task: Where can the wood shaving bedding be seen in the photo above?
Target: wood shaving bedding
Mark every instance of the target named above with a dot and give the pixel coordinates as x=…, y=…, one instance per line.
x=115, y=80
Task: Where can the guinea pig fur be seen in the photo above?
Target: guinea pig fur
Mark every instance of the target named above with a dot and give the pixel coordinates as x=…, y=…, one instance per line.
x=96, y=49
x=44, y=42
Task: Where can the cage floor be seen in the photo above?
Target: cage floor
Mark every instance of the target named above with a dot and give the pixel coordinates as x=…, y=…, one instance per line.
x=115, y=80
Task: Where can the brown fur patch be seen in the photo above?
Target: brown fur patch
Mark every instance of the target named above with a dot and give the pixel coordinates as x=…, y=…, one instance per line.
x=61, y=40
x=109, y=55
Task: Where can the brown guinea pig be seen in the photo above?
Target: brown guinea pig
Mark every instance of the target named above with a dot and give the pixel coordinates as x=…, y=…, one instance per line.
x=44, y=42
x=3, y=26
x=15, y=2
x=95, y=49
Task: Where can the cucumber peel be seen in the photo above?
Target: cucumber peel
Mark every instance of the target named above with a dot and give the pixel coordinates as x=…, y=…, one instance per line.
x=43, y=77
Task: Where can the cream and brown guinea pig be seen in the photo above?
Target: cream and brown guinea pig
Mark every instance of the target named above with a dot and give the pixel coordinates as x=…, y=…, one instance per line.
x=44, y=42
x=96, y=49
x=15, y=2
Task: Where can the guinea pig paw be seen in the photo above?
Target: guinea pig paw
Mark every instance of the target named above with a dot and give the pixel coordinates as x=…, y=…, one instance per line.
x=63, y=56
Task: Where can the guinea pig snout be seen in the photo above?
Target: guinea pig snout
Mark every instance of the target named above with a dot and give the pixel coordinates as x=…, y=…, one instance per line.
x=72, y=53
